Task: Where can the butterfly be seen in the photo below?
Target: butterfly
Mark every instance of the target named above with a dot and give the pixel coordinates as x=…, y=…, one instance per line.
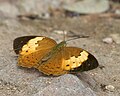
x=50, y=58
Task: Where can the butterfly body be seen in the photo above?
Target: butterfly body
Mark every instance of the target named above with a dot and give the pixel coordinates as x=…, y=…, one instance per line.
x=51, y=58
x=54, y=50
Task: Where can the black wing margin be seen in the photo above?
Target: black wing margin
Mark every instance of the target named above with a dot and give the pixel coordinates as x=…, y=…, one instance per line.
x=19, y=42
x=89, y=64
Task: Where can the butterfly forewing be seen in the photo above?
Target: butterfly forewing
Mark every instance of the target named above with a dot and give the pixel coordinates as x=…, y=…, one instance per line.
x=20, y=42
x=33, y=49
x=80, y=60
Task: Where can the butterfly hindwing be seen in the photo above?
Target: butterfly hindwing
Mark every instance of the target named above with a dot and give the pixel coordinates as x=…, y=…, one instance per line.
x=31, y=60
x=68, y=60
x=53, y=66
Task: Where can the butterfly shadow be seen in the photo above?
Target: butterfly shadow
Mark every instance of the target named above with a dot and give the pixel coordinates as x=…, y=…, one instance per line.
x=87, y=80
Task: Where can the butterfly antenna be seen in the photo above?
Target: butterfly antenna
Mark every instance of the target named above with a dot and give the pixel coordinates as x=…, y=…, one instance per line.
x=78, y=38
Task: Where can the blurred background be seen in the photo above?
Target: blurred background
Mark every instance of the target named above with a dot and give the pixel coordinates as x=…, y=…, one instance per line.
x=37, y=9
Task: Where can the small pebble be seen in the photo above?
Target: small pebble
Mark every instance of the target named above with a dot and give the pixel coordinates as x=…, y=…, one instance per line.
x=116, y=38
x=110, y=88
x=8, y=88
x=108, y=40
x=44, y=16
x=117, y=11
x=14, y=88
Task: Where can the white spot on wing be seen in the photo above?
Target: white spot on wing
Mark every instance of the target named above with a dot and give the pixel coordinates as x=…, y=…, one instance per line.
x=76, y=61
x=31, y=45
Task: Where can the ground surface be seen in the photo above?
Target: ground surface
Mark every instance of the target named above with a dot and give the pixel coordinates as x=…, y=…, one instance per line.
x=15, y=81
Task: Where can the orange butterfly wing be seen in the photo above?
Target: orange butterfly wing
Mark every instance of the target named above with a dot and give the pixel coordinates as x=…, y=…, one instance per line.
x=68, y=60
x=34, y=50
x=53, y=66
x=49, y=57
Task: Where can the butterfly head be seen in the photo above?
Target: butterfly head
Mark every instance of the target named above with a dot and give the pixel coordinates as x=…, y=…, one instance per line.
x=63, y=43
x=60, y=45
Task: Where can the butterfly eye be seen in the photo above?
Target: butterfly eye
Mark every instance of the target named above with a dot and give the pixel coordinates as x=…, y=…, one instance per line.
x=73, y=62
x=26, y=50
